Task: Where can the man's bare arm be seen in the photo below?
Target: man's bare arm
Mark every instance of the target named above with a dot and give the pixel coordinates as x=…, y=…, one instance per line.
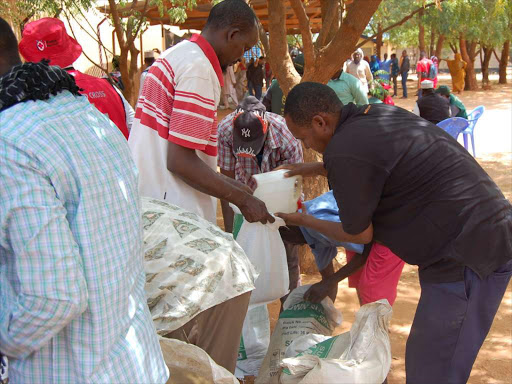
x=185, y=164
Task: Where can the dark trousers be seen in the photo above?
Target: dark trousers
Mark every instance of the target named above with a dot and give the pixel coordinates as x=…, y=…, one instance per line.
x=404, y=82
x=395, y=84
x=450, y=325
x=255, y=90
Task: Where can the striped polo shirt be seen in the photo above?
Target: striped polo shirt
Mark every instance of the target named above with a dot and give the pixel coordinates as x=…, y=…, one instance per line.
x=178, y=104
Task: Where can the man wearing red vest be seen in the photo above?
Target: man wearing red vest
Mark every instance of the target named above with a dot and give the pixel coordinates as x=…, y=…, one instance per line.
x=47, y=39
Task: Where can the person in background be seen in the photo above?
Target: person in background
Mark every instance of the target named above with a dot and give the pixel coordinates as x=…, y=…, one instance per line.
x=255, y=77
x=228, y=90
x=358, y=68
x=47, y=38
x=401, y=181
x=267, y=145
x=423, y=70
x=395, y=70
x=348, y=88
x=241, y=78
x=71, y=278
x=116, y=73
x=405, y=66
x=249, y=74
x=374, y=65
x=174, y=136
x=457, y=68
x=431, y=106
x=435, y=63
x=456, y=106
x=149, y=59
x=385, y=65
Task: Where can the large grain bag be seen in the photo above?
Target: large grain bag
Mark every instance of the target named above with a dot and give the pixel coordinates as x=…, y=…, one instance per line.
x=188, y=363
x=299, y=318
x=360, y=356
x=254, y=342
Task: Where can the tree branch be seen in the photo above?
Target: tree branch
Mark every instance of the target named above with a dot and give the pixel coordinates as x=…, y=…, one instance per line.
x=264, y=40
x=398, y=23
x=331, y=57
x=282, y=66
x=331, y=14
x=132, y=37
x=96, y=39
x=117, y=23
x=496, y=55
x=83, y=52
x=305, y=29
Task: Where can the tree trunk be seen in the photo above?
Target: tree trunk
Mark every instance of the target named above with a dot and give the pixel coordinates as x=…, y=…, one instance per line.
x=454, y=48
x=439, y=46
x=504, y=62
x=123, y=68
x=379, y=40
x=280, y=61
x=485, y=64
x=468, y=52
x=432, y=42
x=421, y=33
x=330, y=10
x=133, y=70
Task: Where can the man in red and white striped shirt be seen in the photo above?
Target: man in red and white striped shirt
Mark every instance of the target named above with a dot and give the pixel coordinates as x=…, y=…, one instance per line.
x=174, y=136
x=174, y=144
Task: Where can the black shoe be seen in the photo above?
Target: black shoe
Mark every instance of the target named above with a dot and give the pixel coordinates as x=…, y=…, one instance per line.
x=404, y=97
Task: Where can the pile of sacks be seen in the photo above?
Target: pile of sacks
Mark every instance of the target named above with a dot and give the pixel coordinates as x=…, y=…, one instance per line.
x=302, y=350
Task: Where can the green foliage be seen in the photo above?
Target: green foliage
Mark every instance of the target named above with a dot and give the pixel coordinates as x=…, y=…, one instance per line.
x=294, y=41
x=21, y=10
x=178, y=13
x=486, y=21
x=376, y=86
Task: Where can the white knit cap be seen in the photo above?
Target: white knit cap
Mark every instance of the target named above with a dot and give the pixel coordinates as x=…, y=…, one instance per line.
x=358, y=50
x=149, y=54
x=427, y=84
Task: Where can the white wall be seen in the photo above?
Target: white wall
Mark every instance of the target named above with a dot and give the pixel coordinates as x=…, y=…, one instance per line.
x=152, y=38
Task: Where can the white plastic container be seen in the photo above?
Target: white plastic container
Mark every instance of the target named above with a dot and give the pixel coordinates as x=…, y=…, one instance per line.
x=279, y=193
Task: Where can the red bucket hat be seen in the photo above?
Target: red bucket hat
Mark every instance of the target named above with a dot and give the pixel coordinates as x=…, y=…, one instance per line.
x=47, y=39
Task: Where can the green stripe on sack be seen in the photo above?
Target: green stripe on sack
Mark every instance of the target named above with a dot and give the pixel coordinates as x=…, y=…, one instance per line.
x=321, y=350
x=238, y=220
x=242, y=353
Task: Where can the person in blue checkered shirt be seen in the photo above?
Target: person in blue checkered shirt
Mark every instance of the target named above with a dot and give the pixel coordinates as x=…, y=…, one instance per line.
x=72, y=301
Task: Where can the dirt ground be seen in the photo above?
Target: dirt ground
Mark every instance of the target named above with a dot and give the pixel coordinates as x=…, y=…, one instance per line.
x=493, y=136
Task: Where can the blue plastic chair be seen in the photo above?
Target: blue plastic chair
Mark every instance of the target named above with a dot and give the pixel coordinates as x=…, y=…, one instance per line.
x=454, y=126
x=472, y=120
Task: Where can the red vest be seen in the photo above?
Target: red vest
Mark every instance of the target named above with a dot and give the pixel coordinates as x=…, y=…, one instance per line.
x=104, y=97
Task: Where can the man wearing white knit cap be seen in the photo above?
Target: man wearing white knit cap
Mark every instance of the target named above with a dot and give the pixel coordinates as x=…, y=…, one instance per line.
x=431, y=106
x=359, y=68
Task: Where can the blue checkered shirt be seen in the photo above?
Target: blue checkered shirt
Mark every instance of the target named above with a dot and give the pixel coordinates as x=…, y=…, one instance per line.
x=72, y=303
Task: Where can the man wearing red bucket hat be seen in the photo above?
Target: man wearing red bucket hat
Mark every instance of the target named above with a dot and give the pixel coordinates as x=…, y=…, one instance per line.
x=47, y=38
